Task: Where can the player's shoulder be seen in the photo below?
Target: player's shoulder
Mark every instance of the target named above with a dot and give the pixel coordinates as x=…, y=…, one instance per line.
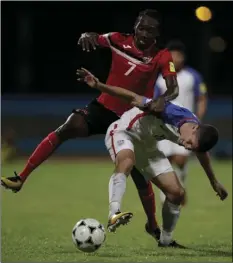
x=193, y=72
x=136, y=111
x=163, y=52
x=178, y=109
x=132, y=113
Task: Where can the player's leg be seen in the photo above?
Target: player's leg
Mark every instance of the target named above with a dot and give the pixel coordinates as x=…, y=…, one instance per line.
x=160, y=172
x=164, y=146
x=147, y=198
x=180, y=160
x=75, y=126
x=174, y=192
x=122, y=153
x=81, y=123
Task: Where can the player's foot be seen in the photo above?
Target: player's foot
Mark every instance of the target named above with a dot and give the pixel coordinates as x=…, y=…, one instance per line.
x=13, y=183
x=172, y=244
x=155, y=233
x=118, y=219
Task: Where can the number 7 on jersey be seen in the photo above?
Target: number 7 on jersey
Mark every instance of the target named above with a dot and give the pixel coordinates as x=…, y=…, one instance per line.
x=133, y=66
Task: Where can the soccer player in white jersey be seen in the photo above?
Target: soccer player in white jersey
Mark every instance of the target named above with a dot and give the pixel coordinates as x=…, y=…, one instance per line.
x=132, y=140
x=192, y=96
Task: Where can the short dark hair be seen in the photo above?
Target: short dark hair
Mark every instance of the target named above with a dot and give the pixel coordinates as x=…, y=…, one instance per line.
x=151, y=13
x=208, y=137
x=176, y=45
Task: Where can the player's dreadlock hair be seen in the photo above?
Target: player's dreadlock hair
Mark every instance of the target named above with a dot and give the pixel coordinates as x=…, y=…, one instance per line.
x=176, y=45
x=208, y=137
x=151, y=13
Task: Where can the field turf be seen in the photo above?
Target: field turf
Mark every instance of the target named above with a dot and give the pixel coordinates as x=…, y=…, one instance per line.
x=37, y=222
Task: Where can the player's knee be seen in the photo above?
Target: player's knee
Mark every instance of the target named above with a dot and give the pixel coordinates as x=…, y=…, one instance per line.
x=125, y=161
x=125, y=166
x=180, y=161
x=177, y=196
x=75, y=126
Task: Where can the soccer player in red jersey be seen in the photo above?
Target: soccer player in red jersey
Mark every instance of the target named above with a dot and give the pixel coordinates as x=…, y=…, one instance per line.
x=136, y=64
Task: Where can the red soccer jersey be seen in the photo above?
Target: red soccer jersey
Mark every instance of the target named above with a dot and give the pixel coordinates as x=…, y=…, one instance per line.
x=132, y=69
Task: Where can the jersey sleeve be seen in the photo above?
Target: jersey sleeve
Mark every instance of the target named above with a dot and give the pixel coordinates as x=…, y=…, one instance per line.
x=105, y=40
x=199, y=85
x=176, y=115
x=166, y=64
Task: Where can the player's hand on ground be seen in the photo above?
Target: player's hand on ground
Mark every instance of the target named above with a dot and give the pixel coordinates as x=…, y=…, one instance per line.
x=83, y=75
x=220, y=190
x=88, y=41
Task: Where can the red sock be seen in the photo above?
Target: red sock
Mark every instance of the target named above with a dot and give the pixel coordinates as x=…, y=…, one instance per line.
x=41, y=153
x=148, y=201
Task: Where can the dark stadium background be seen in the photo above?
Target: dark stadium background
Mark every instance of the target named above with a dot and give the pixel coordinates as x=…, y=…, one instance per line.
x=40, y=56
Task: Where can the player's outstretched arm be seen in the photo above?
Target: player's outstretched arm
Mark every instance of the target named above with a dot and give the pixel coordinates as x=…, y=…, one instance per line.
x=88, y=41
x=91, y=40
x=127, y=95
x=204, y=159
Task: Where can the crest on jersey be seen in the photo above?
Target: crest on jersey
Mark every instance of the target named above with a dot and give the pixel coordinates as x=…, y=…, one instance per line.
x=203, y=88
x=172, y=67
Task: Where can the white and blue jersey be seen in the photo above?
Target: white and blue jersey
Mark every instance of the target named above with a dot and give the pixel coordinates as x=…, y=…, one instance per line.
x=140, y=132
x=191, y=86
x=146, y=127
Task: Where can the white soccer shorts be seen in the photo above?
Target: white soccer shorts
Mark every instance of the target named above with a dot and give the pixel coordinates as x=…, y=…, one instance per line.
x=170, y=148
x=150, y=163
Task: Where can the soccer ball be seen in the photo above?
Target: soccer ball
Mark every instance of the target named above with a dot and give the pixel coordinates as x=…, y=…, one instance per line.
x=88, y=235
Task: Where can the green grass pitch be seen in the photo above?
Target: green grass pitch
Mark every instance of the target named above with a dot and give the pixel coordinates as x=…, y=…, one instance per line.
x=37, y=222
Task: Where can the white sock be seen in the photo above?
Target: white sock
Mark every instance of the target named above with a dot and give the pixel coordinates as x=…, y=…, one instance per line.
x=116, y=189
x=170, y=214
x=165, y=237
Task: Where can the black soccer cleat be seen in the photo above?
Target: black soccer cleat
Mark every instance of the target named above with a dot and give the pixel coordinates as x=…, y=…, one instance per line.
x=155, y=233
x=172, y=244
x=13, y=183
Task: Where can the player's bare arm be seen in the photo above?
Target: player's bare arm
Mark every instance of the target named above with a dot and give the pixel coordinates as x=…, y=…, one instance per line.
x=205, y=162
x=88, y=41
x=201, y=106
x=129, y=96
x=172, y=88
x=155, y=106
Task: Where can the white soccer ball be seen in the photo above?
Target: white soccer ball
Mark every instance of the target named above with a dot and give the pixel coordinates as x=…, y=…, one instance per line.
x=88, y=235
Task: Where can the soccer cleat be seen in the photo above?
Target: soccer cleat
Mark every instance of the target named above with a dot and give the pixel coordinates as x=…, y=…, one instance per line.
x=172, y=244
x=155, y=233
x=13, y=183
x=120, y=218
